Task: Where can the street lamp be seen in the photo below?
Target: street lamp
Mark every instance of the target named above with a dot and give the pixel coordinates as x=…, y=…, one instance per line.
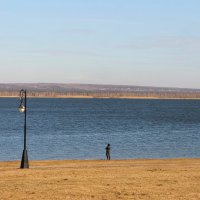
x=22, y=109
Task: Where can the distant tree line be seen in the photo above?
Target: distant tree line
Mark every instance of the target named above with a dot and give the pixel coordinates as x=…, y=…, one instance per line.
x=104, y=94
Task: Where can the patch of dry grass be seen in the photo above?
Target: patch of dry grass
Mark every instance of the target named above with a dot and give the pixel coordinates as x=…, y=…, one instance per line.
x=103, y=180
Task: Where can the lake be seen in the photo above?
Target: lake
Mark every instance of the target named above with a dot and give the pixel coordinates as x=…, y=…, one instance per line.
x=81, y=128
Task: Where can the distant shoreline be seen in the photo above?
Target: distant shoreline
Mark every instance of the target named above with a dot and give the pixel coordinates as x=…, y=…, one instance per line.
x=89, y=91
x=93, y=97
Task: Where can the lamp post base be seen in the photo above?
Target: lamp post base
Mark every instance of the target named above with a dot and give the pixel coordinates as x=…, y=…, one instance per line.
x=24, y=161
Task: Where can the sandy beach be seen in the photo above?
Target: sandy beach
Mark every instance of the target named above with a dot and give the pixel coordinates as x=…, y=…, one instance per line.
x=102, y=180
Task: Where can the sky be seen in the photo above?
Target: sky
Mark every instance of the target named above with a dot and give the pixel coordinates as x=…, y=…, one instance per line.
x=123, y=42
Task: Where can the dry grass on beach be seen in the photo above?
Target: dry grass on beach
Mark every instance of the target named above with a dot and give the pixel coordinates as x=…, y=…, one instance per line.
x=177, y=179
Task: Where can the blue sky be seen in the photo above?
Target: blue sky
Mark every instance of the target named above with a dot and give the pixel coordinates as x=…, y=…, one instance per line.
x=129, y=42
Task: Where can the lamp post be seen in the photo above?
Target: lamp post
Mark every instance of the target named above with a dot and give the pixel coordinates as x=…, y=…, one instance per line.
x=22, y=109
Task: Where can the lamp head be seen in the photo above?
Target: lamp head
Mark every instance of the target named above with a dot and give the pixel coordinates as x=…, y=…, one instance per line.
x=21, y=108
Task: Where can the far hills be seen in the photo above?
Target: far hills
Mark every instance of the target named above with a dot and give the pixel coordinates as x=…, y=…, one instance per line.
x=58, y=90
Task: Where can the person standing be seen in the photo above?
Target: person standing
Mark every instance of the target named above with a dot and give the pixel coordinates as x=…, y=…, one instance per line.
x=108, y=152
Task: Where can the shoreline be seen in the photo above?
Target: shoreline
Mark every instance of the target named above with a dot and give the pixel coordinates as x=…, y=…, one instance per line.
x=99, y=161
x=96, y=160
x=92, y=97
x=74, y=161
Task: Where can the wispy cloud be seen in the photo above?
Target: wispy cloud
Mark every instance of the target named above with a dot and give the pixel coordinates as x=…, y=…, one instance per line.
x=61, y=53
x=79, y=30
x=161, y=42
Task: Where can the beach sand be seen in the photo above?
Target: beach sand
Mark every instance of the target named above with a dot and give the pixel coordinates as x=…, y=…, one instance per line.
x=176, y=179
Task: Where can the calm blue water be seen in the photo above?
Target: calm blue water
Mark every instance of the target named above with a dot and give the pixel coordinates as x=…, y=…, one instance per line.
x=81, y=128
